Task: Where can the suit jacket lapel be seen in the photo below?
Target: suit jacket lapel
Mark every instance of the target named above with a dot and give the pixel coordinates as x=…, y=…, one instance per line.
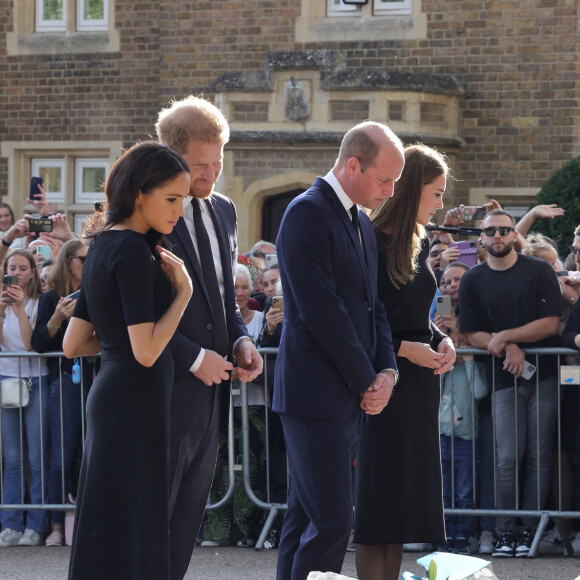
x=189, y=254
x=346, y=221
x=225, y=256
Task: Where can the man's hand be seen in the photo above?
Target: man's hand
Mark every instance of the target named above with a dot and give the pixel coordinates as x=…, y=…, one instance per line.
x=514, y=359
x=376, y=397
x=497, y=344
x=213, y=369
x=249, y=361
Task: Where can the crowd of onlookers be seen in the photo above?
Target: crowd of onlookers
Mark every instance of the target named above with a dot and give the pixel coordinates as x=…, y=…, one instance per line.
x=41, y=437
x=486, y=461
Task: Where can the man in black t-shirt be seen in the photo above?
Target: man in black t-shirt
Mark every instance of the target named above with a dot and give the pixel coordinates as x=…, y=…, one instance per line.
x=507, y=303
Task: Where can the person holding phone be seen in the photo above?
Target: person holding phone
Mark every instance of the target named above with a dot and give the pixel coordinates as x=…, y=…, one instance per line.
x=132, y=298
x=507, y=303
x=399, y=446
x=18, y=314
x=66, y=402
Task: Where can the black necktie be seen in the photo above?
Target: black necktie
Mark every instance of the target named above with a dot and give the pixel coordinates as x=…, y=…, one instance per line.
x=211, y=282
x=354, y=214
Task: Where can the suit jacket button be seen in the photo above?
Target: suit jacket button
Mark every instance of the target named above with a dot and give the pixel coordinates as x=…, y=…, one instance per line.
x=209, y=326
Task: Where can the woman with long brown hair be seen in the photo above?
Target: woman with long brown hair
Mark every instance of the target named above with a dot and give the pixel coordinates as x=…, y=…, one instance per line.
x=65, y=402
x=399, y=489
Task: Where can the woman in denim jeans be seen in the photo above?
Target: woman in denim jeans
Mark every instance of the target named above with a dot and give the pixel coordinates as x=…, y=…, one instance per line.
x=65, y=399
x=18, y=311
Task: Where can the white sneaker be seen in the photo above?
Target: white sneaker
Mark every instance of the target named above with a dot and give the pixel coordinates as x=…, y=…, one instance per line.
x=30, y=538
x=9, y=537
x=486, y=542
x=575, y=545
x=54, y=538
x=550, y=543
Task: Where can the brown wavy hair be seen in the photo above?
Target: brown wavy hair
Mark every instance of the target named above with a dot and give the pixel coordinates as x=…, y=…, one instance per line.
x=398, y=214
x=34, y=286
x=59, y=278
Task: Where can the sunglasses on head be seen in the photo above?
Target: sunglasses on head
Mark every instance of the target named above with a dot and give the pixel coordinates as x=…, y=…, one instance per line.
x=503, y=230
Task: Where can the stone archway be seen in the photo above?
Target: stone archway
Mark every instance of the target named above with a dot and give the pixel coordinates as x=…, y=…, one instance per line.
x=251, y=204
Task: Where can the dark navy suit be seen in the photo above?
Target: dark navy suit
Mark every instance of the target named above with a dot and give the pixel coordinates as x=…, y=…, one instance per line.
x=335, y=339
x=196, y=409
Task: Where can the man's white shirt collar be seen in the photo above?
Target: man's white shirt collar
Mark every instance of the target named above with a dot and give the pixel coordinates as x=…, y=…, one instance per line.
x=330, y=178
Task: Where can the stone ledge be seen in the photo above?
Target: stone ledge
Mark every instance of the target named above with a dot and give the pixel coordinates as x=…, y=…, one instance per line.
x=332, y=137
x=334, y=76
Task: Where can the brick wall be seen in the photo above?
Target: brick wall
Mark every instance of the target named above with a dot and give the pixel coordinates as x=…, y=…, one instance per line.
x=517, y=61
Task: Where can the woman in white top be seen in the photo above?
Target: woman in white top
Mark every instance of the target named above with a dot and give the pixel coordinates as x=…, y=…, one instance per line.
x=18, y=309
x=243, y=288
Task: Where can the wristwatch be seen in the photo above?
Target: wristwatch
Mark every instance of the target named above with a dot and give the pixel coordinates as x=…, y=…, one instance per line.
x=5, y=243
x=394, y=373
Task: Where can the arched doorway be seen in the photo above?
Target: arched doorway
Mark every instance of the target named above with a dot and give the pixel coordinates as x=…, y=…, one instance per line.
x=273, y=212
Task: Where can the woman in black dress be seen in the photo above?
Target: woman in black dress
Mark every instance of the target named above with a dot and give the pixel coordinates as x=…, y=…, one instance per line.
x=399, y=489
x=133, y=295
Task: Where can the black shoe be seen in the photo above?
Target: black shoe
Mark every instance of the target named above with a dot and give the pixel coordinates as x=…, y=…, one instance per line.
x=505, y=547
x=446, y=545
x=461, y=546
x=523, y=543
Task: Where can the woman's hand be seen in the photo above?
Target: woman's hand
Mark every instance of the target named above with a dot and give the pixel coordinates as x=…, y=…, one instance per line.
x=14, y=296
x=64, y=310
x=446, y=348
x=421, y=354
x=175, y=270
x=274, y=317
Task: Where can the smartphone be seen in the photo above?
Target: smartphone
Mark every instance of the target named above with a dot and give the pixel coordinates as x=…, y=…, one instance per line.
x=528, y=371
x=74, y=295
x=271, y=260
x=443, y=304
x=472, y=213
x=278, y=302
x=563, y=273
x=44, y=251
x=468, y=249
x=39, y=225
x=34, y=191
x=9, y=281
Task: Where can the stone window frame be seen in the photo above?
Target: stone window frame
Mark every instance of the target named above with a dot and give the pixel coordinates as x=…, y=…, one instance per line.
x=73, y=38
x=365, y=23
x=20, y=156
x=382, y=7
x=337, y=8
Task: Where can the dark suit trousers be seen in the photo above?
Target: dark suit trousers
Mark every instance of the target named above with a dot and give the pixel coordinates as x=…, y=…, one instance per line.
x=318, y=522
x=192, y=465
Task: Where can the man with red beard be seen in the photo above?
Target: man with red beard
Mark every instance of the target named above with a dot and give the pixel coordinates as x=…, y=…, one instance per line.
x=507, y=303
x=211, y=334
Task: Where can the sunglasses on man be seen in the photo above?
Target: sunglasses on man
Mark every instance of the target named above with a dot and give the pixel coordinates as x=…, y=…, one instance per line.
x=503, y=230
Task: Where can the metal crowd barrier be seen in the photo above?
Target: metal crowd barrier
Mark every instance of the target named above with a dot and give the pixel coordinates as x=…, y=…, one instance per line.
x=239, y=393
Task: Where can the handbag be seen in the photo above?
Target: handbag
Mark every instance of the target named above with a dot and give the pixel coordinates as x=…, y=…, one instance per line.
x=15, y=392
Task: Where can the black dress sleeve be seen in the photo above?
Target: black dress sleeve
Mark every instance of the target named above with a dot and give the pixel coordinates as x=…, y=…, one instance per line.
x=81, y=308
x=134, y=273
x=41, y=340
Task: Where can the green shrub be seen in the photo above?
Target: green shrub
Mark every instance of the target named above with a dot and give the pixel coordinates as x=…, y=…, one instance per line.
x=563, y=189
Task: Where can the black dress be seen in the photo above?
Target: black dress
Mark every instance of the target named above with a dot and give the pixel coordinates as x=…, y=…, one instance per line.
x=122, y=522
x=399, y=488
